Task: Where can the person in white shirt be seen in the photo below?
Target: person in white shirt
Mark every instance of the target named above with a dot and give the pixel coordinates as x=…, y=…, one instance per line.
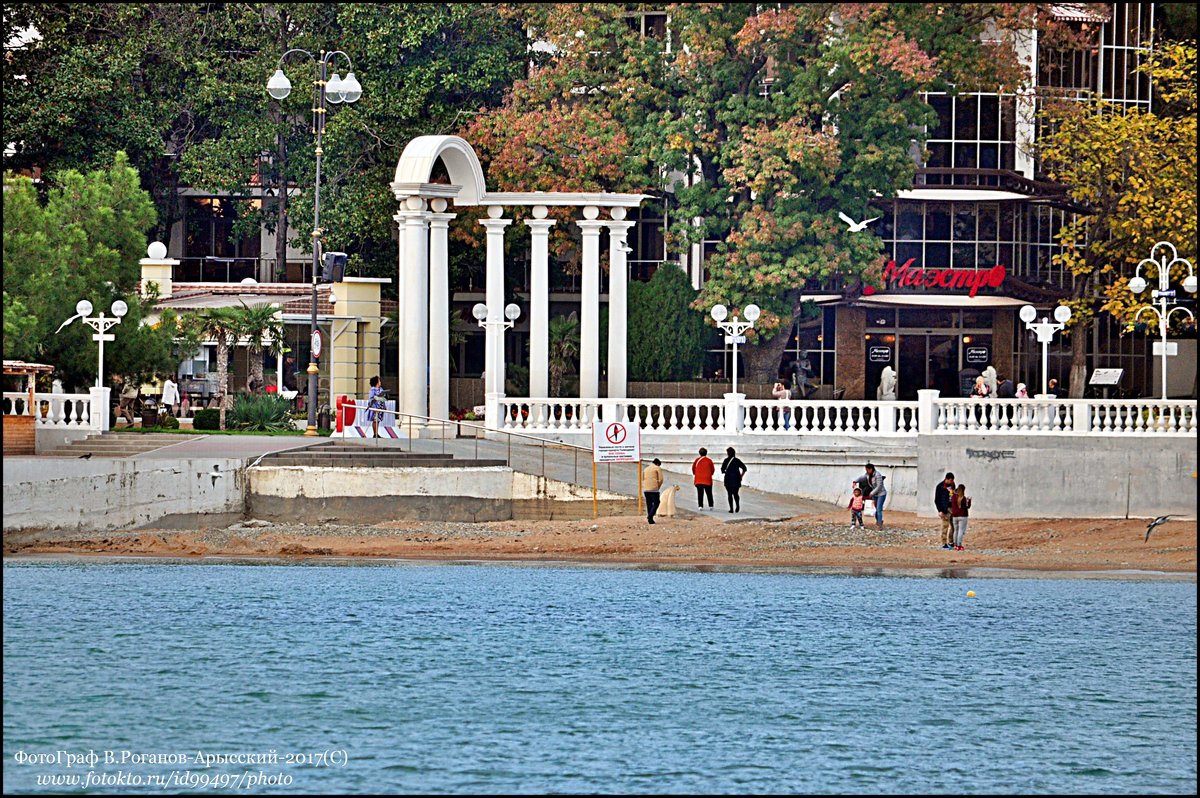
x=170, y=396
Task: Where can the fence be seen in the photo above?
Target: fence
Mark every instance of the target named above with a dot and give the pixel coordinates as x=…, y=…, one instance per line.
x=54, y=410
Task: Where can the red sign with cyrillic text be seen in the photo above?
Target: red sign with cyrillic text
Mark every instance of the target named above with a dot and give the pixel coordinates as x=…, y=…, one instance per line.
x=909, y=276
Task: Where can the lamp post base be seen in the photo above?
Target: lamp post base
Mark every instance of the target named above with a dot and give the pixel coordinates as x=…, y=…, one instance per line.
x=310, y=431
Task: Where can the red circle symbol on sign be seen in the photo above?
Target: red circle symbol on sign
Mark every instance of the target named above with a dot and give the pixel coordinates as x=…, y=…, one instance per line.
x=615, y=433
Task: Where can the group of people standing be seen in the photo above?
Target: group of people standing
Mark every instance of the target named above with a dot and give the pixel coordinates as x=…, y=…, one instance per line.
x=871, y=486
x=703, y=471
x=953, y=507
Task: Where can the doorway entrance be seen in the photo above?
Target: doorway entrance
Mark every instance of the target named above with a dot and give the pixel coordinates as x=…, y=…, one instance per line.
x=927, y=361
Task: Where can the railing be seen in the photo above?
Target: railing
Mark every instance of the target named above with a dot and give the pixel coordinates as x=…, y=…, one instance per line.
x=1070, y=416
x=680, y=416
x=827, y=416
x=54, y=410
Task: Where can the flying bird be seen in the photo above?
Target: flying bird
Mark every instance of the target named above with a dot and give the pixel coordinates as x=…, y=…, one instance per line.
x=215, y=474
x=1162, y=519
x=68, y=321
x=856, y=226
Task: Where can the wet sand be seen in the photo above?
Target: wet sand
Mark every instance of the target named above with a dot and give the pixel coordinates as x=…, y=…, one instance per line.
x=822, y=541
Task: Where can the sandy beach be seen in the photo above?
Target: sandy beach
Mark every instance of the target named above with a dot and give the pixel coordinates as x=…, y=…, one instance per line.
x=817, y=540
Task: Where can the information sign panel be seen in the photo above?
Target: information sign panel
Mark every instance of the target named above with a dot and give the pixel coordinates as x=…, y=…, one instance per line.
x=616, y=442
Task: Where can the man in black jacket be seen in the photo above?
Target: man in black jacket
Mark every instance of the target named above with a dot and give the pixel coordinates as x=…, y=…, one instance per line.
x=1006, y=389
x=941, y=500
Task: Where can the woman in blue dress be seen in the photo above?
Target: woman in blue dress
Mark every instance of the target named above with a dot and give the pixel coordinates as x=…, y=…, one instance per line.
x=375, y=405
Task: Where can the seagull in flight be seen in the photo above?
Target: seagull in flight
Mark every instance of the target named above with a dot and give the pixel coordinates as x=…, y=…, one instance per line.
x=215, y=474
x=856, y=226
x=1162, y=519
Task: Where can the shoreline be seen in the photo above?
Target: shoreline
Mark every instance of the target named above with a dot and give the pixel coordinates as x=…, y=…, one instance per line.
x=926, y=572
x=816, y=543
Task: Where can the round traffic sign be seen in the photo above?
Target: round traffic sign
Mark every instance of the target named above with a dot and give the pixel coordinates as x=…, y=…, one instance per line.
x=316, y=343
x=615, y=433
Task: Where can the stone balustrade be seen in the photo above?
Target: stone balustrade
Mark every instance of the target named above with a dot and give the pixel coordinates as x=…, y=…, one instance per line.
x=55, y=410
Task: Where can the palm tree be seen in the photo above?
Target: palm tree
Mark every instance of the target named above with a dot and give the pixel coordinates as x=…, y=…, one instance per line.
x=263, y=328
x=222, y=325
x=563, y=333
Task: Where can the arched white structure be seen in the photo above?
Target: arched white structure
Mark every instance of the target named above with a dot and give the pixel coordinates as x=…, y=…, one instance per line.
x=423, y=279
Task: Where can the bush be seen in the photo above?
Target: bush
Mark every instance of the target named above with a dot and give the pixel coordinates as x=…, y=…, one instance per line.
x=168, y=421
x=262, y=412
x=208, y=418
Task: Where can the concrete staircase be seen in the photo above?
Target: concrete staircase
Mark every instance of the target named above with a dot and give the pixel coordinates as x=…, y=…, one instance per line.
x=351, y=455
x=116, y=444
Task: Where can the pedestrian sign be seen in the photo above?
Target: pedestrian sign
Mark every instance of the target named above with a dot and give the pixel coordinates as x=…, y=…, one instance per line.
x=616, y=442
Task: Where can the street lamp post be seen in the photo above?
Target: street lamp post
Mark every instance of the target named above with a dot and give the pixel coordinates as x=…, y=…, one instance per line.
x=1138, y=284
x=334, y=90
x=1045, y=330
x=734, y=329
x=494, y=384
x=101, y=325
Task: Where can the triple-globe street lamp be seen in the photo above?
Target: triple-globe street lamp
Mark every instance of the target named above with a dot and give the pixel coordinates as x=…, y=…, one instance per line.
x=1138, y=284
x=1045, y=330
x=101, y=325
x=325, y=89
x=734, y=330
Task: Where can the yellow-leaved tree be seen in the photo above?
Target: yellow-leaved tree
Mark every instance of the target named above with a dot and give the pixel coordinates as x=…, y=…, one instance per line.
x=1135, y=171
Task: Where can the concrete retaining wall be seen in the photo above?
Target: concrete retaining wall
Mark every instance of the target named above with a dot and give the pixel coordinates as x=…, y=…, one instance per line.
x=356, y=495
x=101, y=494
x=1075, y=476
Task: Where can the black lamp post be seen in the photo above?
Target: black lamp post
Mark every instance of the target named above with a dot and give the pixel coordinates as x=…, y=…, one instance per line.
x=335, y=90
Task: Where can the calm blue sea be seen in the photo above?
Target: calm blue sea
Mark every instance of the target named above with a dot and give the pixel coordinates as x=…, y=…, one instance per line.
x=511, y=679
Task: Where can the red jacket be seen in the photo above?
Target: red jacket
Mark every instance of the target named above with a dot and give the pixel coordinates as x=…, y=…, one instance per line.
x=703, y=469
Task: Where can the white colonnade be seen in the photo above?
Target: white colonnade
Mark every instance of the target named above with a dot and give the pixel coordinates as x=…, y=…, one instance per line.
x=424, y=289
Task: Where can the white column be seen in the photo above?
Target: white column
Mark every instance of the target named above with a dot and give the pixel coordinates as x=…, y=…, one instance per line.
x=589, y=311
x=618, y=315
x=414, y=296
x=439, y=311
x=539, y=303
x=494, y=341
x=98, y=407
x=401, y=307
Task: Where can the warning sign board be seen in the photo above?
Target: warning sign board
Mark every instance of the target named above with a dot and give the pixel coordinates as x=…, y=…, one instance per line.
x=616, y=442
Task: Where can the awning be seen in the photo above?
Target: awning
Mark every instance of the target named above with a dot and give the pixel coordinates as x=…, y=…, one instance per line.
x=820, y=299
x=952, y=194
x=1076, y=12
x=941, y=301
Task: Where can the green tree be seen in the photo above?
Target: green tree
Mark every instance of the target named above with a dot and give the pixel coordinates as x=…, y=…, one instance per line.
x=262, y=328
x=563, y=353
x=766, y=121
x=1135, y=173
x=666, y=335
x=83, y=242
x=223, y=326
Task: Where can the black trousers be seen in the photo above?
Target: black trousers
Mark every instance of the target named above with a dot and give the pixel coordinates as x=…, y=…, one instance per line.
x=652, y=502
x=735, y=501
x=701, y=492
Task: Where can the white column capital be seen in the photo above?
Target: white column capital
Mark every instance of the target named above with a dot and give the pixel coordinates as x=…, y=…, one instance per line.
x=619, y=228
x=540, y=225
x=495, y=225
x=591, y=227
x=441, y=220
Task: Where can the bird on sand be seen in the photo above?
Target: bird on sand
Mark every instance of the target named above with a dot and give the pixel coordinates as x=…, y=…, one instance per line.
x=87, y=456
x=856, y=226
x=1162, y=519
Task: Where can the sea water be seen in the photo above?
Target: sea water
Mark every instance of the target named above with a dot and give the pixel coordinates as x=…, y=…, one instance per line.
x=161, y=676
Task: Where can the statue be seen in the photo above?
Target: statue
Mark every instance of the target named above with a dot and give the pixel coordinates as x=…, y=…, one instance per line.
x=886, y=392
x=989, y=379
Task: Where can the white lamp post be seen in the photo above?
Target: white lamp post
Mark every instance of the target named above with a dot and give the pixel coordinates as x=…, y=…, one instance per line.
x=1138, y=284
x=734, y=329
x=334, y=90
x=100, y=324
x=1045, y=330
x=493, y=387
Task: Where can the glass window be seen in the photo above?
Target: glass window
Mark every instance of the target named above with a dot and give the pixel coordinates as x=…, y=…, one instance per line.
x=1008, y=157
x=977, y=319
x=937, y=256
x=881, y=317
x=906, y=250
x=989, y=156
x=989, y=221
x=966, y=156
x=964, y=223
x=928, y=317
x=989, y=118
x=909, y=223
x=939, y=155
x=886, y=226
x=1008, y=119
x=937, y=221
x=963, y=256
x=987, y=254
x=944, y=107
x=966, y=125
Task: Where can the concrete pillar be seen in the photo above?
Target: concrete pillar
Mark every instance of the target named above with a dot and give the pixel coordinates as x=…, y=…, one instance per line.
x=539, y=303
x=589, y=311
x=354, y=333
x=414, y=296
x=493, y=364
x=618, y=315
x=851, y=349
x=101, y=399
x=926, y=414
x=439, y=311
x=157, y=268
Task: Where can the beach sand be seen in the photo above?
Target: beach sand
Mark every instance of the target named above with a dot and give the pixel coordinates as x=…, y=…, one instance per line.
x=821, y=540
